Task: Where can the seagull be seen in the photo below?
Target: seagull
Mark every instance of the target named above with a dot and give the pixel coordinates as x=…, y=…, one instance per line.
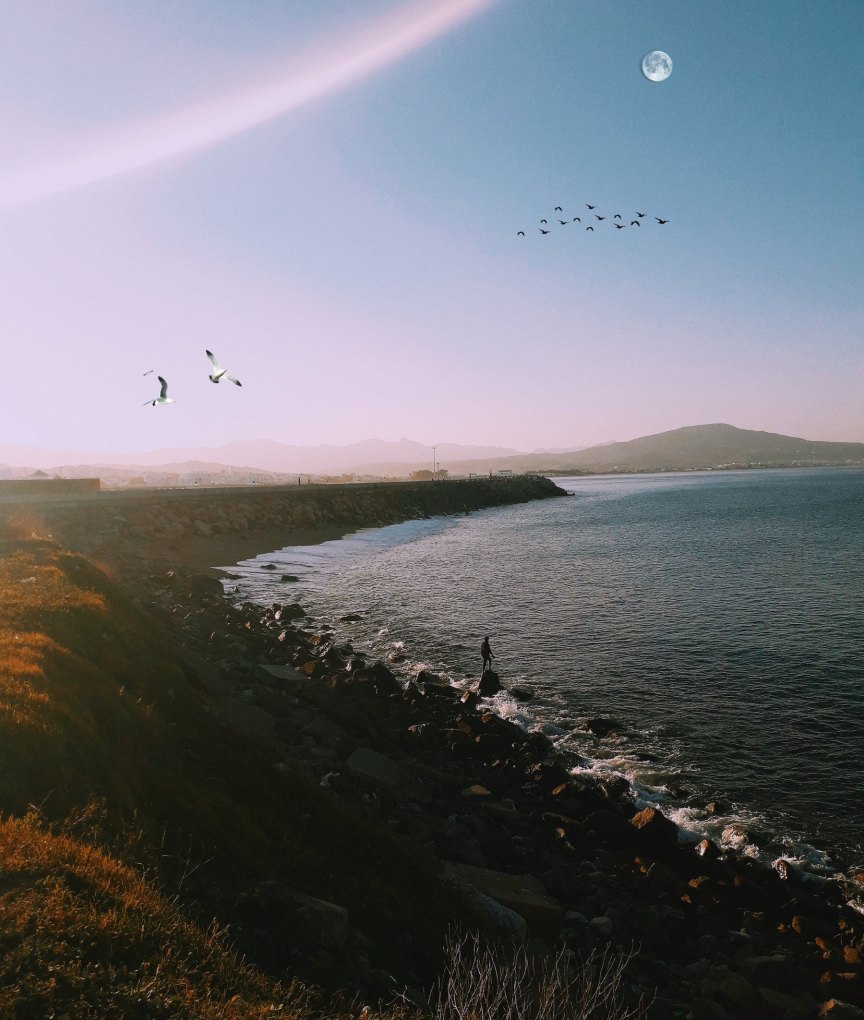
x=219, y=372
x=589, y=228
x=659, y=220
x=597, y=217
x=619, y=226
x=563, y=222
x=635, y=223
x=590, y=206
x=545, y=221
x=520, y=233
x=163, y=397
x=617, y=216
x=542, y=231
x=640, y=214
x=558, y=208
x=576, y=219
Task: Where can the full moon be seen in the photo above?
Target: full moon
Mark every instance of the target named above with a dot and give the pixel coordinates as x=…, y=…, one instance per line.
x=657, y=65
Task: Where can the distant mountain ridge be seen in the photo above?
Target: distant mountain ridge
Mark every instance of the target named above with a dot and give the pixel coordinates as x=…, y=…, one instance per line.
x=690, y=448
x=261, y=454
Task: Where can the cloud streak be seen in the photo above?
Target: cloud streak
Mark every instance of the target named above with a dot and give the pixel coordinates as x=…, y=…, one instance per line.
x=152, y=141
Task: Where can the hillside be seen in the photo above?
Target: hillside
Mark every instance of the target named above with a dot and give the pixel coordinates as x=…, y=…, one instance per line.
x=691, y=448
x=109, y=731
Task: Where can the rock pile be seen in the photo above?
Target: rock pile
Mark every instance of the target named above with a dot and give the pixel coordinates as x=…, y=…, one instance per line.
x=538, y=853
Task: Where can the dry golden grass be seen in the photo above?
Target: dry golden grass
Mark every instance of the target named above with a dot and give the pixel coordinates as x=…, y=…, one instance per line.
x=95, y=709
x=84, y=936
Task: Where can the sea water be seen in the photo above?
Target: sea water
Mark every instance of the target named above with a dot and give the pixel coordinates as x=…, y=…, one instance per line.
x=718, y=617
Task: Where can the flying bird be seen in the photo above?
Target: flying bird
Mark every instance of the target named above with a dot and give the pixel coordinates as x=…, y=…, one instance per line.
x=163, y=397
x=558, y=208
x=544, y=221
x=589, y=228
x=590, y=206
x=635, y=223
x=219, y=373
x=619, y=226
x=617, y=216
x=520, y=233
x=659, y=220
x=542, y=231
x=576, y=219
x=598, y=217
x=148, y=372
x=563, y=222
x=640, y=214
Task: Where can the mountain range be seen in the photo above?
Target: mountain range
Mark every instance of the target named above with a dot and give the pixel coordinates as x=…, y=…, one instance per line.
x=692, y=447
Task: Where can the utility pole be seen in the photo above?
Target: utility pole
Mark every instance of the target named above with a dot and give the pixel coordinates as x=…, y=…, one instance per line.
x=434, y=449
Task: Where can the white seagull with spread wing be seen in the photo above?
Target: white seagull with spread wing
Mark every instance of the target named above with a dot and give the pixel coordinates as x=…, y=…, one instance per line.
x=219, y=373
x=163, y=397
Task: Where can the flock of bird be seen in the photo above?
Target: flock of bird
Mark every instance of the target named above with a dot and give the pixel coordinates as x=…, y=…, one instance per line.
x=219, y=374
x=545, y=228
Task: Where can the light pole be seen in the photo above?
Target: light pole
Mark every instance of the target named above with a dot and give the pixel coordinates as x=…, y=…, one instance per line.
x=434, y=448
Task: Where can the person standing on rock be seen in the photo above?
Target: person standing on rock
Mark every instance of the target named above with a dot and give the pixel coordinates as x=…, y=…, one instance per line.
x=486, y=652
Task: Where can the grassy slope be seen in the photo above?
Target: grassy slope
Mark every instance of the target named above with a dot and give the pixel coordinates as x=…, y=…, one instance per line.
x=94, y=708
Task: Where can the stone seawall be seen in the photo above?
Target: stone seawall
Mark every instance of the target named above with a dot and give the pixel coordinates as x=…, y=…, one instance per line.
x=171, y=519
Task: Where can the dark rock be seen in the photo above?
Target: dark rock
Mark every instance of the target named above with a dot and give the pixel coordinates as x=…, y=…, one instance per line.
x=492, y=745
x=268, y=566
x=601, y=727
x=470, y=699
x=523, y=894
x=350, y=618
x=655, y=830
x=539, y=743
x=785, y=869
x=289, y=578
x=377, y=769
x=489, y=684
x=521, y=693
x=609, y=826
x=705, y=848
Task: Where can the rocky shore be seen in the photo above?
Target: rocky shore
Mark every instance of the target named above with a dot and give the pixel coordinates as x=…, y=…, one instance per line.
x=532, y=852
x=522, y=848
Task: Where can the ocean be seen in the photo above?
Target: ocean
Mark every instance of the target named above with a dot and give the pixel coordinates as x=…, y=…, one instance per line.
x=718, y=617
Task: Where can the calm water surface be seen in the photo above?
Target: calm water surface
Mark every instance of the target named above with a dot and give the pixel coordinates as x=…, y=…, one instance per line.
x=718, y=617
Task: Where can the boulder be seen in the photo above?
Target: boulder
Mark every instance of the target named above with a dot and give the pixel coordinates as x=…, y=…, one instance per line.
x=655, y=831
x=326, y=923
x=283, y=678
x=376, y=769
x=609, y=826
x=521, y=693
x=522, y=894
x=705, y=848
x=489, y=684
x=601, y=727
x=246, y=719
x=835, y=1009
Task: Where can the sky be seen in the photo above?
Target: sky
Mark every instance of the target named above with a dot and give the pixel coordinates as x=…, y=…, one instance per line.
x=328, y=197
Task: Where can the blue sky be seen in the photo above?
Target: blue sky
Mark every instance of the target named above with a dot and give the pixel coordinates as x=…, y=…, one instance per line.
x=355, y=260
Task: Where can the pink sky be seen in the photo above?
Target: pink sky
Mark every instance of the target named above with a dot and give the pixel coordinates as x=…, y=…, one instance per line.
x=332, y=205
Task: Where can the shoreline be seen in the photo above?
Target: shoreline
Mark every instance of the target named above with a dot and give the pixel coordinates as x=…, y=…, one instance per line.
x=493, y=800
x=760, y=838
x=529, y=850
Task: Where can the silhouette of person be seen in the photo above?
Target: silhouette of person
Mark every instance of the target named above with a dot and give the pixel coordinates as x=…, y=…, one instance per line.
x=486, y=652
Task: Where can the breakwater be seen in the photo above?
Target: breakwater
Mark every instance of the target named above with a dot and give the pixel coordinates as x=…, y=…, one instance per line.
x=106, y=522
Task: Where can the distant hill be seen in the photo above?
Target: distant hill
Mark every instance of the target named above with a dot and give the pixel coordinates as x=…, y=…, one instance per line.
x=690, y=448
x=263, y=454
